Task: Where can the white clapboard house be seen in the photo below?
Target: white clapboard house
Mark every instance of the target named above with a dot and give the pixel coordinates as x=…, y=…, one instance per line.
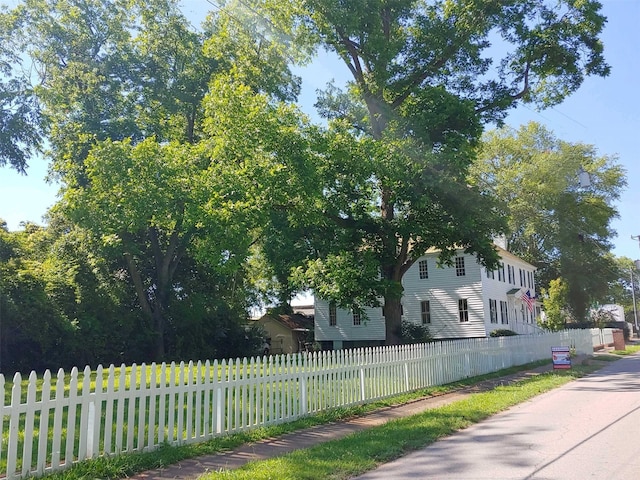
x=461, y=301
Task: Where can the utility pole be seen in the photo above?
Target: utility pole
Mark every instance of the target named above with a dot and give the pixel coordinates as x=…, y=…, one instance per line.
x=633, y=295
x=633, y=290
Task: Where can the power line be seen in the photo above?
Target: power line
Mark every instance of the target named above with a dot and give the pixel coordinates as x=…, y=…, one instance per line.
x=567, y=116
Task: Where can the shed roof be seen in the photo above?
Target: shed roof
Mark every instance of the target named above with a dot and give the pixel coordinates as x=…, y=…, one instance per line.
x=295, y=322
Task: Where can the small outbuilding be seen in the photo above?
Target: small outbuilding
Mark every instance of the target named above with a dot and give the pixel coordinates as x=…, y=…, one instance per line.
x=287, y=333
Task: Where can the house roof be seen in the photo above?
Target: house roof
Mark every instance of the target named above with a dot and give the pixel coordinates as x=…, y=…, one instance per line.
x=295, y=322
x=501, y=251
x=306, y=310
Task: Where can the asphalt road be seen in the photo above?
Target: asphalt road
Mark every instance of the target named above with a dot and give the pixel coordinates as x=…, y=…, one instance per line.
x=589, y=428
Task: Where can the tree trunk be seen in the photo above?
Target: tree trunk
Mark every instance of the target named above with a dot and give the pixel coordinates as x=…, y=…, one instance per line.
x=153, y=308
x=393, y=319
x=158, y=323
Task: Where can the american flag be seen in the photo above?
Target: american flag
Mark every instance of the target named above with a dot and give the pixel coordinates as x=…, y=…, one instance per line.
x=528, y=299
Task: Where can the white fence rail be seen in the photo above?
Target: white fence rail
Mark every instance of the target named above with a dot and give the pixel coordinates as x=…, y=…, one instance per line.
x=48, y=424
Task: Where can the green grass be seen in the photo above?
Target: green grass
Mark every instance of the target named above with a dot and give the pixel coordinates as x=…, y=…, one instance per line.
x=366, y=450
x=630, y=349
x=339, y=459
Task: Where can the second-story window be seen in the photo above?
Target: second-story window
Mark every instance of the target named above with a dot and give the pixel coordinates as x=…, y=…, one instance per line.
x=357, y=319
x=460, y=267
x=423, y=268
x=333, y=315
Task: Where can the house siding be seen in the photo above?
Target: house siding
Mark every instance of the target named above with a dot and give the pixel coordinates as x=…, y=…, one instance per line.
x=443, y=288
x=281, y=337
x=372, y=327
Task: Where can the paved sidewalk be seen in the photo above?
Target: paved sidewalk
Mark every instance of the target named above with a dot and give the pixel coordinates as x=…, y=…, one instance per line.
x=192, y=468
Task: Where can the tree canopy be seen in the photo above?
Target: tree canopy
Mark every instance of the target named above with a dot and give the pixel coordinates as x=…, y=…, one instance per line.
x=20, y=128
x=169, y=143
x=426, y=77
x=556, y=222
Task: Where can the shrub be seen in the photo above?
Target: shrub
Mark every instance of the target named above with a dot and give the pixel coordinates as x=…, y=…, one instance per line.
x=502, y=333
x=414, y=333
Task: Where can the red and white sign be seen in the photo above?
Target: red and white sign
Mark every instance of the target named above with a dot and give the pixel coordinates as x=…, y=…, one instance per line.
x=561, y=357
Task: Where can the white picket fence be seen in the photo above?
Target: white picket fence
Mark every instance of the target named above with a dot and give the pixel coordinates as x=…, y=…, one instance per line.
x=601, y=336
x=48, y=424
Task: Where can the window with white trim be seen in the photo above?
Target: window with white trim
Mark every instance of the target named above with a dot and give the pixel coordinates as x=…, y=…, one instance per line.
x=463, y=310
x=357, y=318
x=460, y=271
x=504, y=312
x=425, y=311
x=423, y=269
x=333, y=314
x=493, y=311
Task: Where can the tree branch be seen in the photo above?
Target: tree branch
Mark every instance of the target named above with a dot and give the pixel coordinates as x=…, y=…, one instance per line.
x=510, y=98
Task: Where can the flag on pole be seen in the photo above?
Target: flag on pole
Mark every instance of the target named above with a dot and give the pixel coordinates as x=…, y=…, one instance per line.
x=528, y=299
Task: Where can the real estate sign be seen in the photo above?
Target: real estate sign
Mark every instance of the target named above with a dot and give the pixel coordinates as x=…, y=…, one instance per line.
x=561, y=357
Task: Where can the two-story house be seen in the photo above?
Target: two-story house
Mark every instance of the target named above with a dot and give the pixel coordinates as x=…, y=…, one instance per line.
x=459, y=301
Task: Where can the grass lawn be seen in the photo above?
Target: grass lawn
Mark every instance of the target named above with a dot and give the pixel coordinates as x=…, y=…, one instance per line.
x=356, y=453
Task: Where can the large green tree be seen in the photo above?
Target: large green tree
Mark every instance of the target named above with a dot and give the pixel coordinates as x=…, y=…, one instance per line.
x=559, y=200
x=426, y=76
x=145, y=120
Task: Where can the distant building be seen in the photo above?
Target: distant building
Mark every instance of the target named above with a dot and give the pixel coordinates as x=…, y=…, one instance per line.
x=306, y=310
x=287, y=333
x=616, y=312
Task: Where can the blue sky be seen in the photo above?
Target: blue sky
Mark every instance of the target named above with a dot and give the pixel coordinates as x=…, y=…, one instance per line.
x=604, y=112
